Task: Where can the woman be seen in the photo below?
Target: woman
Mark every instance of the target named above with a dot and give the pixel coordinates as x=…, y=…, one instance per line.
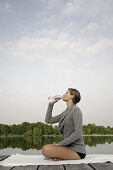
x=72, y=146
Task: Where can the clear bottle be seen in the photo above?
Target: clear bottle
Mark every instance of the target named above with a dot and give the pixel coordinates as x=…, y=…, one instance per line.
x=53, y=97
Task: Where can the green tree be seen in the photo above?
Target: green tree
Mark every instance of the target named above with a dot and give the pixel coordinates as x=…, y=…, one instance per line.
x=37, y=131
x=56, y=130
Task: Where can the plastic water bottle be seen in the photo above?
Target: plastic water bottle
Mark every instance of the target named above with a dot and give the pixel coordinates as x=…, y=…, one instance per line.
x=53, y=97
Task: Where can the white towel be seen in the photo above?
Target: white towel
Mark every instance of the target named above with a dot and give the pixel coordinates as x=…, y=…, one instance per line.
x=23, y=160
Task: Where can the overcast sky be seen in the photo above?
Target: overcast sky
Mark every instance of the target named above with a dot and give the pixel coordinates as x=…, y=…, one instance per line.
x=48, y=46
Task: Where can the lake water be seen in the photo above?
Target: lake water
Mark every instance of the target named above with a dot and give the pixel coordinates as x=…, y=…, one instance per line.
x=33, y=145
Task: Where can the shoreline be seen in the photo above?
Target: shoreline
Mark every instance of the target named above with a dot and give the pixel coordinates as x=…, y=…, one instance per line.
x=50, y=135
x=97, y=135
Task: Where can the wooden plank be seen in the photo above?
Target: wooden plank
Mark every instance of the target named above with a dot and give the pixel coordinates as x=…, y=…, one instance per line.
x=77, y=166
x=51, y=167
x=2, y=157
x=92, y=166
x=28, y=167
x=5, y=167
x=102, y=166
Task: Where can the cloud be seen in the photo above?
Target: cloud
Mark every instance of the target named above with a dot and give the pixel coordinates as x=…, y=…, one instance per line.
x=48, y=46
x=91, y=17
x=52, y=4
x=90, y=30
x=2, y=92
x=58, y=46
x=88, y=8
x=69, y=9
x=6, y=6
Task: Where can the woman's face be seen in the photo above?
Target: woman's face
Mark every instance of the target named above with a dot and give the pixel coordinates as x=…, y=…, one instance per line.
x=67, y=96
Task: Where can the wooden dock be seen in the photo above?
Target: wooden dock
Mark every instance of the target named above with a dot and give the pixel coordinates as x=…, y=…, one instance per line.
x=91, y=166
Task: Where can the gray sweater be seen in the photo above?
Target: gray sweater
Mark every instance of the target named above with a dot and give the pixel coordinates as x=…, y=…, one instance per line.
x=70, y=126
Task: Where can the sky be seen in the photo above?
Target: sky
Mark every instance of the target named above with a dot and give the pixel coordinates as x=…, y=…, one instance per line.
x=48, y=46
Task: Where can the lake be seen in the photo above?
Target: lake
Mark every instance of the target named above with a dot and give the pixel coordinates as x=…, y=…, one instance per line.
x=33, y=145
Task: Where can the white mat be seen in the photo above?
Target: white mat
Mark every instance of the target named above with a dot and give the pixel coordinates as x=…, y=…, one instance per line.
x=23, y=160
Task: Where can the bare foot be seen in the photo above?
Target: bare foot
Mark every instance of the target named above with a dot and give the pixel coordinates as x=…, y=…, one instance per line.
x=57, y=159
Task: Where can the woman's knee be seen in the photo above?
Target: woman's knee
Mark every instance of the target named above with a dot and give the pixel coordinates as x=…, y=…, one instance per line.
x=46, y=149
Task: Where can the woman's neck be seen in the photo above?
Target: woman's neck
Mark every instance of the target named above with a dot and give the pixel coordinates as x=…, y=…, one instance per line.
x=69, y=103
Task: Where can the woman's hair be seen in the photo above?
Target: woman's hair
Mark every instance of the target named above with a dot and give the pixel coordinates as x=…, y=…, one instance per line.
x=76, y=93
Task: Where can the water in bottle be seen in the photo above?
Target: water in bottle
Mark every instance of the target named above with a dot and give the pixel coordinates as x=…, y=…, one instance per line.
x=53, y=97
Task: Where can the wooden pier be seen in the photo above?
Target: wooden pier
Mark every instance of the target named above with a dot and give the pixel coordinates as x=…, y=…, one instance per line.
x=91, y=166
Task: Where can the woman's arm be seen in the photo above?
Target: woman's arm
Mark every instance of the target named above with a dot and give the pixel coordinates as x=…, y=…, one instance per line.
x=77, y=119
x=49, y=119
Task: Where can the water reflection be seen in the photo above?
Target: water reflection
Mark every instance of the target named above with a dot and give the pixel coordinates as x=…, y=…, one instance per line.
x=36, y=143
x=94, y=140
x=26, y=143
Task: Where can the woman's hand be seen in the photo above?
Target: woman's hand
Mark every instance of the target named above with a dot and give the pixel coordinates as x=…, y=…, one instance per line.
x=55, y=100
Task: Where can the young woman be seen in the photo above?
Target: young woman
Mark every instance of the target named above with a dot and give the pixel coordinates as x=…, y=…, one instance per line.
x=72, y=146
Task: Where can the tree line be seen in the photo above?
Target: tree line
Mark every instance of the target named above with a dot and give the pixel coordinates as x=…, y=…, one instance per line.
x=41, y=129
x=37, y=142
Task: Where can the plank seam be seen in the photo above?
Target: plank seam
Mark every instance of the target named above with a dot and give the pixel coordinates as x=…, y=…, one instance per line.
x=91, y=166
x=64, y=167
x=5, y=158
x=13, y=167
x=37, y=167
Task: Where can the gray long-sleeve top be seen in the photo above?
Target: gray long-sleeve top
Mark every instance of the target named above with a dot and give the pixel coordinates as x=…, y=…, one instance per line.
x=70, y=126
